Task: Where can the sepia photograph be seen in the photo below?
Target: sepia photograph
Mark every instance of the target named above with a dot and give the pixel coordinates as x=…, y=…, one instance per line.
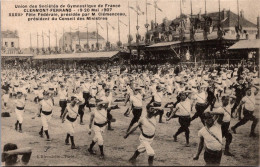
x=130, y=82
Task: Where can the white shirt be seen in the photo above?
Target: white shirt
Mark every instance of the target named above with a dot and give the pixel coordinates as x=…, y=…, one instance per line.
x=47, y=105
x=100, y=116
x=108, y=98
x=201, y=97
x=226, y=111
x=137, y=100
x=63, y=94
x=184, y=108
x=80, y=96
x=210, y=142
x=249, y=102
x=158, y=96
x=19, y=102
x=148, y=125
x=72, y=111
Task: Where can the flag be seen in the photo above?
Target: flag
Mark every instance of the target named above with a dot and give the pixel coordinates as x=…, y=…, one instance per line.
x=111, y=26
x=159, y=9
x=155, y=5
x=138, y=8
x=133, y=9
x=101, y=26
x=122, y=22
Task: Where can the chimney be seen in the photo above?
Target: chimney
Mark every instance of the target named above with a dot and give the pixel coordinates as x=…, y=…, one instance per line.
x=258, y=27
x=224, y=13
x=242, y=13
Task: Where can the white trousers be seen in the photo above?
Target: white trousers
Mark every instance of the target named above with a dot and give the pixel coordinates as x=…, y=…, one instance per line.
x=19, y=115
x=98, y=134
x=145, y=145
x=70, y=127
x=45, y=119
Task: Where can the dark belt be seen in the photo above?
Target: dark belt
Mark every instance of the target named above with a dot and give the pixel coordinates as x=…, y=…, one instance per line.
x=147, y=136
x=51, y=88
x=201, y=104
x=35, y=88
x=212, y=152
x=158, y=103
x=137, y=108
x=100, y=125
x=47, y=112
x=187, y=116
x=71, y=119
x=20, y=108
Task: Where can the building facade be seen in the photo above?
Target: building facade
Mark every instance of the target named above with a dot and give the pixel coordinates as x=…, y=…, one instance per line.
x=9, y=42
x=81, y=41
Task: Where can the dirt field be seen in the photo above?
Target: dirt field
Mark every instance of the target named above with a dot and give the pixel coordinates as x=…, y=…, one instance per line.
x=117, y=149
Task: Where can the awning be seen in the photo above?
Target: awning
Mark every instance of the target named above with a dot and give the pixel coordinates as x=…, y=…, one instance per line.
x=246, y=44
x=16, y=55
x=72, y=56
x=161, y=44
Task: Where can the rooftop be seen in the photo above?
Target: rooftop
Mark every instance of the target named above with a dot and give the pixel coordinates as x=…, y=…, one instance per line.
x=9, y=34
x=83, y=35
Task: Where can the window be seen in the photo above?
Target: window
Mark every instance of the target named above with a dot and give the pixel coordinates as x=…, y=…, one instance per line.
x=6, y=44
x=12, y=44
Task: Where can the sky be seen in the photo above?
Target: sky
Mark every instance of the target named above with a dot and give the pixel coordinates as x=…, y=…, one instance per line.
x=170, y=9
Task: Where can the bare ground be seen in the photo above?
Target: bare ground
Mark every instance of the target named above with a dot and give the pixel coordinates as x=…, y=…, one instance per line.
x=117, y=149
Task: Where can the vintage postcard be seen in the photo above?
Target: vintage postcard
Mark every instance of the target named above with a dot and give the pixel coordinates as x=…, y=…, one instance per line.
x=130, y=82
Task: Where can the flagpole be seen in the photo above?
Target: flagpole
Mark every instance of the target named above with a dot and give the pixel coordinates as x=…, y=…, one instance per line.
x=155, y=12
x=219, y=12
x=56, y=39
x=137, y=27
x=107, y=32
x=129, y=24
x=30, y=40
x=70, y=39
x=206, y=7
x=49, y=40
x=97, y=34
x=146, y=16
x=63, y=40
x=180, y=8
x=78, y=36
x=238, y=12
x=42, y=40
x=118, y=31
x=87, y=37
x=238, y=36
x=37, y=42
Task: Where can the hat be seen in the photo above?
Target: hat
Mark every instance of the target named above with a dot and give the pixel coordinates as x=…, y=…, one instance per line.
x=102, y=102
x=46, y=93
x=158, y=87
x=188, y=91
